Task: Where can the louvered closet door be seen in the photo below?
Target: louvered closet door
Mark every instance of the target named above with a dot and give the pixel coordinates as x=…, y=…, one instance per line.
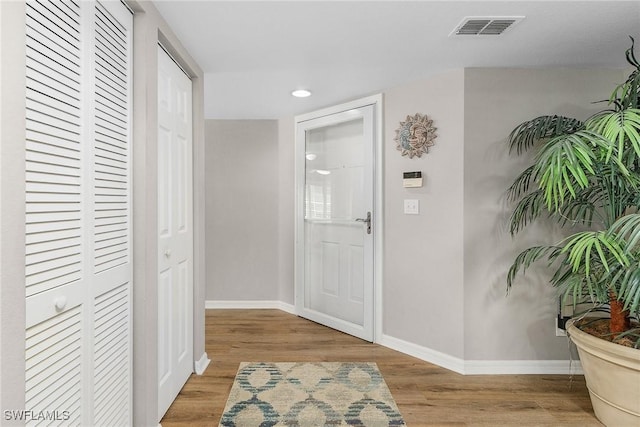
x=110, y=267
x=78, y=250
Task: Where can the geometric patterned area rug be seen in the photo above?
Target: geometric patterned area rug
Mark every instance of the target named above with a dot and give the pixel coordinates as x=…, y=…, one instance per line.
x=310, y=394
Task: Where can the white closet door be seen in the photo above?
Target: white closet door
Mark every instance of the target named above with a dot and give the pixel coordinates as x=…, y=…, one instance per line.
x=111, y=238
x=175, y=231
x=78, y=266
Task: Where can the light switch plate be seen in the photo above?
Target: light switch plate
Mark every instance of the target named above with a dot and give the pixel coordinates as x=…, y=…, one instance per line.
x=412, y=206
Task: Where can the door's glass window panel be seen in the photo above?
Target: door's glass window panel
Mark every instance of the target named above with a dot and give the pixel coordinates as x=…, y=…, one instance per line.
x=334, y=171
x=334, y=198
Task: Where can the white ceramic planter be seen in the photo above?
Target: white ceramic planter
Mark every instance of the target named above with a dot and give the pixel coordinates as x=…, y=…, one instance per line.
x=612, y=373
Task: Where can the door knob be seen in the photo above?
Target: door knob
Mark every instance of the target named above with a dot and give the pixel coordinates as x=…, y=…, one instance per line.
x=367, y=221
x=60, y=303
x=167, y=253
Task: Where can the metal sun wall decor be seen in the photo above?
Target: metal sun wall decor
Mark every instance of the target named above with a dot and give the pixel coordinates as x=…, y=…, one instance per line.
x=415, y=135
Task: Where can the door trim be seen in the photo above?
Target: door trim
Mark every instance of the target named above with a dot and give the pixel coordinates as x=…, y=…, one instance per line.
x=378, y=202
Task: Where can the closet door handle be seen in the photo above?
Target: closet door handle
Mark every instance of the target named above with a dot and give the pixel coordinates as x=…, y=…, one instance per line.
x=60, y=303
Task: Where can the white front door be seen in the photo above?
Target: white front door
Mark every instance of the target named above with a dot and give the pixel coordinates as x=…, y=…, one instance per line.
x=175, y=231
x=335, y=240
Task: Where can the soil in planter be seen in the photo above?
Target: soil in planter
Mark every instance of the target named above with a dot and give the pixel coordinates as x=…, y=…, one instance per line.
x=600, y=328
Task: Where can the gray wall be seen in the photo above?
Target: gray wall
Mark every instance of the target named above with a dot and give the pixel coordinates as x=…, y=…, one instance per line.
x=445, y=269
x=242, y=210
x=423, y=254
x=12, y=205
x=520, y=326
x=286, y=209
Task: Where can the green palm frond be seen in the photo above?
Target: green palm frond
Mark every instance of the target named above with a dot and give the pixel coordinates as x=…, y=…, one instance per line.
x=528, y=257
x=590, y=249
x=613, y=169
x=629, y=291
x=619, y=128
x=576, y=289
x=627, y=229
x=526, y=134
x=630, y=54
x=580, y=210
x=526, y=211
x=634, y=200
x=617, y=189
x=627, y=95
x=521, y=184
x=563, y=164
x=568, y=163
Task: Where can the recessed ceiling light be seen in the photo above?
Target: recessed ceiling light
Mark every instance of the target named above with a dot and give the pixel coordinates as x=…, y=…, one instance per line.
x=301, y=93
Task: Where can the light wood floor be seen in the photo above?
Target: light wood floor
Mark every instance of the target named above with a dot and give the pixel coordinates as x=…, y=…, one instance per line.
x=426, y=395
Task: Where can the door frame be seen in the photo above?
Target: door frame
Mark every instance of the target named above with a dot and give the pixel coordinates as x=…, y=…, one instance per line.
x=378, y=201
x=149, y=30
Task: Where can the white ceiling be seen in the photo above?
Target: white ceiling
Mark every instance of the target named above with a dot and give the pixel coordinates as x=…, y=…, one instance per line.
x=254, y=53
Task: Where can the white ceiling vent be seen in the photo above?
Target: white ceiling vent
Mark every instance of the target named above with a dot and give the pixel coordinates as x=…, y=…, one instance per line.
x=485, y=25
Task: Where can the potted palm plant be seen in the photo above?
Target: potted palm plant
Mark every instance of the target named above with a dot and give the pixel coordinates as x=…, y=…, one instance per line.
x=586, y=174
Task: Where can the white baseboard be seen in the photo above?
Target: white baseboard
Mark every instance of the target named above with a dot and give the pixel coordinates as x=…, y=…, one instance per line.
x=201, y=365
x=522, y=367
x=270, y=305
x=483, y=367
x=455, y=364
x=432, y=356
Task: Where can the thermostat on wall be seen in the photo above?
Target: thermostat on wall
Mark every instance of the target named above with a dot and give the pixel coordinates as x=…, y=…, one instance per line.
x=412, y=179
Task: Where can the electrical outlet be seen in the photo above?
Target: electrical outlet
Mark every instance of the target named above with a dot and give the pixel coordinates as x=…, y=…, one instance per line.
x=412, y=206
x=559, y=331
